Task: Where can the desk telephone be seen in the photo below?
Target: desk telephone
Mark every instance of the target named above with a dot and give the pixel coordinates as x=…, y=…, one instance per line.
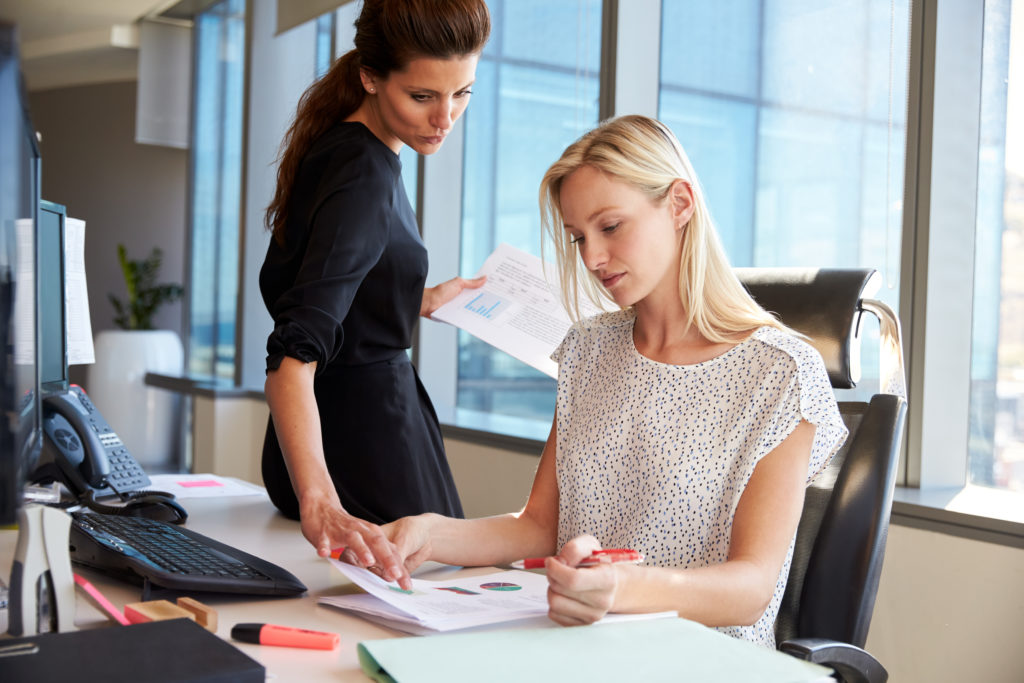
x=85, y=454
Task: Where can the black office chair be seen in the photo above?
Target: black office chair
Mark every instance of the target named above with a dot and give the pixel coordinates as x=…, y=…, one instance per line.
x=826, y=610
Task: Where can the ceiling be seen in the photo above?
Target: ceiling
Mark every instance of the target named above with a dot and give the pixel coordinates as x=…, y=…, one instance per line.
x=74, y=42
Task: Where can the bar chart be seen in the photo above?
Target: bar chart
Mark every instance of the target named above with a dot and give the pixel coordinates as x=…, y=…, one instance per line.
x=486, y=305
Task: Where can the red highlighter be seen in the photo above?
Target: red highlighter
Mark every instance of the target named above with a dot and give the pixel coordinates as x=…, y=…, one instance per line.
x=603, y=556
x=285, y=636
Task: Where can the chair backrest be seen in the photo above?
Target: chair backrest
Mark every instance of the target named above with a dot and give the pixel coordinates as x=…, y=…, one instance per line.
x=840, y=542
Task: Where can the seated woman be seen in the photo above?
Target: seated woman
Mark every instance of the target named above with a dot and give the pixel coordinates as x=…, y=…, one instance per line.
x=687, y=424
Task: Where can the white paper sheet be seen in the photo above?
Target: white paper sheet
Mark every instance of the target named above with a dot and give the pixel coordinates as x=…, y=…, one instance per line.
x=202, y=486
x=24, y=297
x=518, y=310
x=80, y=348
x=453, y=604
x=447, y=604
x=542, y=621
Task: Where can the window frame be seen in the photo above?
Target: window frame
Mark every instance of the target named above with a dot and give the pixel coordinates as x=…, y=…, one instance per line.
x=940, y=197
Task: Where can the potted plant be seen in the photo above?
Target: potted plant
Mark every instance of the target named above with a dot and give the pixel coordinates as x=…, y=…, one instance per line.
x=145, y=417
x=145, y=296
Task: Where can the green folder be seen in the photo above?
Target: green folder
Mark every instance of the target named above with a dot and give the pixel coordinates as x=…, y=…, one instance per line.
x=656, y=650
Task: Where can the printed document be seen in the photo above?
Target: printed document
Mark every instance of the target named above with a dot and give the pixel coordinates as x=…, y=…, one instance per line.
x=80, y=348
x=509, y=599
x=518, y=310
x=447, y=604
x=76, y=300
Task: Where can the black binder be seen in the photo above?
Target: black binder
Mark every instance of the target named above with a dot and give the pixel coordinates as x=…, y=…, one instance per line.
x=176, y=650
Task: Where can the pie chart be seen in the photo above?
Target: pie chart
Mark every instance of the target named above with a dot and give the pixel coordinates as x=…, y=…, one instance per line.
x=500, y=586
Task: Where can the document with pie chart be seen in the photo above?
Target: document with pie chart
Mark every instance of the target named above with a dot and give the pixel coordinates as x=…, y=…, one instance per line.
x=446, y=604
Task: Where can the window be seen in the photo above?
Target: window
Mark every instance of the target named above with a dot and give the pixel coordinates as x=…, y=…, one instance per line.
x=216, y=188
x=802, y=119
x=997, y=359
x=793, y=115
x=536, y=91
x=325, y=29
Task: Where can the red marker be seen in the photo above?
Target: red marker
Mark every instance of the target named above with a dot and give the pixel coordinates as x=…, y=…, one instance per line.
x=604, y=556
x=102, y=601
x=271, y=634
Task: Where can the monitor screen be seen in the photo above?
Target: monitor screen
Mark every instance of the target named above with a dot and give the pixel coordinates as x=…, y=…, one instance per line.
x=20, y=416
x=53, y=347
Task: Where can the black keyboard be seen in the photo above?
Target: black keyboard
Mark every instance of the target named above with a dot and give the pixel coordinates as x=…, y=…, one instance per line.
x=166, y=556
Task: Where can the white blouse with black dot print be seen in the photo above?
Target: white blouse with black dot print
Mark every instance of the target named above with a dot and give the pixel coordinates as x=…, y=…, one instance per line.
x=655, y=457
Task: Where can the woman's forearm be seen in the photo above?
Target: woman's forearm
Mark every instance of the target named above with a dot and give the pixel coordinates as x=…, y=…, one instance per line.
x=489, y=540
x=728, y=594
x=531, y=532
x=289, y=392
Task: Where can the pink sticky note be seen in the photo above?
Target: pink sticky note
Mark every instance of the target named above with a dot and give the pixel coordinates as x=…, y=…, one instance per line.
x=203, y=482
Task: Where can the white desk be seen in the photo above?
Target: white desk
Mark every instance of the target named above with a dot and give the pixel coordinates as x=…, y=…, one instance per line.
x=251, y=523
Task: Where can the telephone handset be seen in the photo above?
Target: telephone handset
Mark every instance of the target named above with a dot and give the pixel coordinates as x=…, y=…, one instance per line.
x=89, y=458
x=86, y=452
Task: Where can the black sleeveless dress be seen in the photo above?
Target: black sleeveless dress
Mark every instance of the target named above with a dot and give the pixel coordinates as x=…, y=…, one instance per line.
x=346, y=292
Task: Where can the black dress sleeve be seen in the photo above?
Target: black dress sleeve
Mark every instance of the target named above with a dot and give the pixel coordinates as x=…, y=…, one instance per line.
x=348, y=234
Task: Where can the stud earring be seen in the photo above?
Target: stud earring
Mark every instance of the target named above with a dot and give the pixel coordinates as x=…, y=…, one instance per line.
x=373, y=91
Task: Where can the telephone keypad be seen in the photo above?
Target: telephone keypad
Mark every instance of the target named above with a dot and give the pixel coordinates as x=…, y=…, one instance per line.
x=125, y=472
x=106, y=455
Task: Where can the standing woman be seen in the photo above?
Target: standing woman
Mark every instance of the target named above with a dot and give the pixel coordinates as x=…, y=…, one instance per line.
x=353, y=440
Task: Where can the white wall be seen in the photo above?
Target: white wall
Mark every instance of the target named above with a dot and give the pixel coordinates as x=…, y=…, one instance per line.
x=227, y=436
x=126, y=192
x=490, y=480
x=949, y=609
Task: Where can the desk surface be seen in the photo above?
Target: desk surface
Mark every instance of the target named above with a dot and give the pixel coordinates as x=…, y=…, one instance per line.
x=252, y=524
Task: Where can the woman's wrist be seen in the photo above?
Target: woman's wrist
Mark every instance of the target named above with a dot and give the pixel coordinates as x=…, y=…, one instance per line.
x=429, y=521
x=627, y=577
x=426, y=303
x=432, y=533
x=317, y=497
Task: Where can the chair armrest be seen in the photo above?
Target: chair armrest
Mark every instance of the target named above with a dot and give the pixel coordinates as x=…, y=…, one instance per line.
x=851, y=663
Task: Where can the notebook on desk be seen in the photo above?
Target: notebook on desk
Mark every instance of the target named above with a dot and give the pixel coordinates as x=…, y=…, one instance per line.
x=174, y=651
x=660, y=650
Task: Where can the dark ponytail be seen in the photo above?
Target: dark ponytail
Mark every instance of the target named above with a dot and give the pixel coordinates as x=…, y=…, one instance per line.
x=389, y=34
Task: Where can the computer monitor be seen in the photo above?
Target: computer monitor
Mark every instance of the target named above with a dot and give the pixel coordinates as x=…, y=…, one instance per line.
x=20, y=403
x=52, y=312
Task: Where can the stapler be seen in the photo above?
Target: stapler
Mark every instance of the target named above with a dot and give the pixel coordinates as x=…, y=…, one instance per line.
x=42, y=592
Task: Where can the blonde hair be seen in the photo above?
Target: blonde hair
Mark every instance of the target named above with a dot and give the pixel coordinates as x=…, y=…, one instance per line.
x=643, y=153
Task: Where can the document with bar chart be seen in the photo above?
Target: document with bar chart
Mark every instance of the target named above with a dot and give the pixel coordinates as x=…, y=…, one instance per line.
x=518, y=310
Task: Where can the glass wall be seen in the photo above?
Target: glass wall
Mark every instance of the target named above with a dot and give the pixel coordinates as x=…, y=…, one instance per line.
x=793, y=114
x=216, y=188
x=536, y=91
x=997, y=357
x=325, y=27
